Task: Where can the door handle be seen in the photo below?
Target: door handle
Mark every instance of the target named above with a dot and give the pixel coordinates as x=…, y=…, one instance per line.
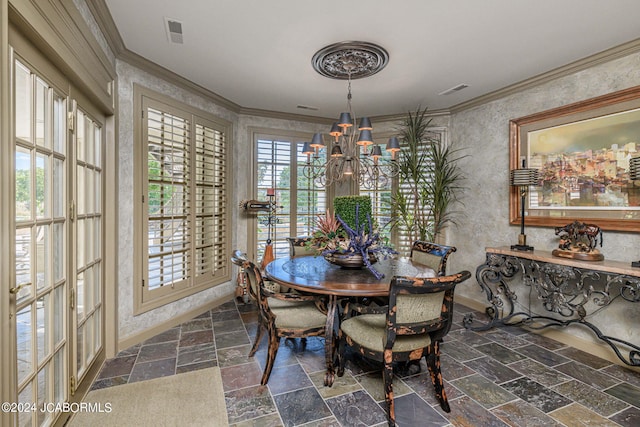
x=17, y=289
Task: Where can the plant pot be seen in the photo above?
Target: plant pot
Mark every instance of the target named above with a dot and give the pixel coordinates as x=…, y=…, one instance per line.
x=349, y=260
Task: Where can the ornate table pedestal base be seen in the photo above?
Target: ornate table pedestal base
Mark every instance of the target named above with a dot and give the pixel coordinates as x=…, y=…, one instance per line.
x=566, y=288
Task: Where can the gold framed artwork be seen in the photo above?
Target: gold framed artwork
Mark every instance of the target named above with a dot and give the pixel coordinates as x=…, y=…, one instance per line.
x=582, y=151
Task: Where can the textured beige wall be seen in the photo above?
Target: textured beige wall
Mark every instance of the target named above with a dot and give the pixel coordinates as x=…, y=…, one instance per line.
x=485, y=131
x=128, y=324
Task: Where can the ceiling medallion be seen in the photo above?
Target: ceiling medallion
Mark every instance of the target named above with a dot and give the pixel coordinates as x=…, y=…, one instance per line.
x=350, y=60
x=353, y=153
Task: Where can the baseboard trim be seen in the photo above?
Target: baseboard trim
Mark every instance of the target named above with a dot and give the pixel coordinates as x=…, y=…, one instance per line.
x=174, y=321
x=596, y=348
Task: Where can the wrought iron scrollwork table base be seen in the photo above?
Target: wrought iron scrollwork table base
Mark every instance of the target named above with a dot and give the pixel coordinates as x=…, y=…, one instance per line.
x=567, y=289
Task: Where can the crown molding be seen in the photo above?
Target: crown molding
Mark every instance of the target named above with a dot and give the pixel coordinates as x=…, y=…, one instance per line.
x=108, y=27
x=579, y=65
x=328, y=120
x=401, y=116
x=285, y=116
x=151, y=67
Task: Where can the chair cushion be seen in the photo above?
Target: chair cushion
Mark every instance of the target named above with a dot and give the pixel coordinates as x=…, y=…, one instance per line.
x=278, y=303
x=427, y=259
x=419, y=307
x=368, y=331
x=300, y=315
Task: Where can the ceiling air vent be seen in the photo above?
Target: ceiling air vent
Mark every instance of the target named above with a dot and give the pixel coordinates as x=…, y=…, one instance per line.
x=174, y=30
x=454, y=89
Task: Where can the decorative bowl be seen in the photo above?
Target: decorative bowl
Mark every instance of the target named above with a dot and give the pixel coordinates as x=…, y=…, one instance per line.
x=349, y=260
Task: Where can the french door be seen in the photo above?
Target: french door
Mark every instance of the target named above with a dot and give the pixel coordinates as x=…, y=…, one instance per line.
x=57, y=286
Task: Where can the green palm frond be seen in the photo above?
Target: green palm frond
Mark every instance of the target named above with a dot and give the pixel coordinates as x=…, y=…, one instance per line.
x=430, y=180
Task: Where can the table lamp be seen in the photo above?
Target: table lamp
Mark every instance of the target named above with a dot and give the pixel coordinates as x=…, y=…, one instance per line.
x=523, y=178
x=634, y=175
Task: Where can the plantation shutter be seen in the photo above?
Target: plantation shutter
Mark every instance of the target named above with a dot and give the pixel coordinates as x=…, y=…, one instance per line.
x=211, y=201
x=168, y=199
x=185, y=217
x=403, y=239
x=279, y=165
x=380, y=194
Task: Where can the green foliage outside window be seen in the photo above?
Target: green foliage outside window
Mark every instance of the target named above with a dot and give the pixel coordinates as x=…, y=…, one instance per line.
x=345, y=208
x=23, y=191
x=159, y=194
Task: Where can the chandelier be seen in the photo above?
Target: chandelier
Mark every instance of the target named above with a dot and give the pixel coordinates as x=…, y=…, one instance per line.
x=351, y=153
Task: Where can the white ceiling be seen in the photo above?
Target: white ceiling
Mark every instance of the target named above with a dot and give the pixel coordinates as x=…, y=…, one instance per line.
x=257, y=53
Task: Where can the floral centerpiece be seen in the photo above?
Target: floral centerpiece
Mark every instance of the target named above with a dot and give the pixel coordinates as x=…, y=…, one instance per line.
x=349, y=246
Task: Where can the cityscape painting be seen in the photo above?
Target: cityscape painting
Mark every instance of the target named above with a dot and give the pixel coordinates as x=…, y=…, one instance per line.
x=582, y=151
x=586, y=164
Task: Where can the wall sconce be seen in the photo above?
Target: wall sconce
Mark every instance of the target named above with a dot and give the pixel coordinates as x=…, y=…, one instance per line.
x=523, y=178
x=634, y=175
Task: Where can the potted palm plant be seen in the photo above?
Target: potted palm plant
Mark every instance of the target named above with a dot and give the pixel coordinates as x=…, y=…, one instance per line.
x=430, y=181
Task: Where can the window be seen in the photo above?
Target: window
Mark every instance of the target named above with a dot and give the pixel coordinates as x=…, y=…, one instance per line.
x=280, y=166
x=183, y=201
x=379, y=191
x=401, y=239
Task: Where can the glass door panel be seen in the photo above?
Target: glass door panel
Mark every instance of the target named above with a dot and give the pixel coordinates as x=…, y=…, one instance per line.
x=88, y=241
x=57, y=291
x=40, y=243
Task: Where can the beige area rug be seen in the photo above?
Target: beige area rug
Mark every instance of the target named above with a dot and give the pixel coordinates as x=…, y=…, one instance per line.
x=191, y=399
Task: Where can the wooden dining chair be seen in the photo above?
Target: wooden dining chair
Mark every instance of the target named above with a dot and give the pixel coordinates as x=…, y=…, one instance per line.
x=280, y=314
x=298, y=246
x=411, y=327
x=432, y=255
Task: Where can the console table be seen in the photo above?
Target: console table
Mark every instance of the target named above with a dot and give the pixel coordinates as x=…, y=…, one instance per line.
x=567, y=289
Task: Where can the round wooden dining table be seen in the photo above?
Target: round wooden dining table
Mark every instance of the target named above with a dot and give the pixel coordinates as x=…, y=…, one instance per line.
x=315, y=275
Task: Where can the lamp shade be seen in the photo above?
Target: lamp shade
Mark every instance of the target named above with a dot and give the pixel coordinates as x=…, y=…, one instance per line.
x=335, y=130
x=365, y=124
x=345, y=120
x=306, y=148
x=317, y=141
x=365, y=138
x=348, y=170
x=376, y=151
x=634, y=169
x=393, y=144
x=336, y=151
x=525, y=177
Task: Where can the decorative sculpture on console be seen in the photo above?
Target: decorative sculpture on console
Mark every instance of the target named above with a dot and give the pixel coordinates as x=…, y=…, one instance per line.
x=578, y=241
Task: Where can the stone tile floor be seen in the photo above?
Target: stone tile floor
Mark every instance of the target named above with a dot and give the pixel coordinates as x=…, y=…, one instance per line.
x=501, y=377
